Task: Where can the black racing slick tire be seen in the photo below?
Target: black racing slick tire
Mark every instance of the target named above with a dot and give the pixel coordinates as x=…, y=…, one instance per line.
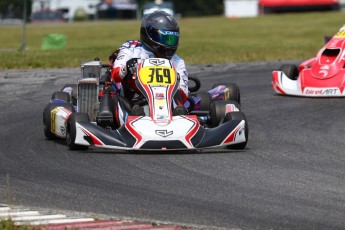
x=290, y=70
x=205, y=100
x=194, y=84
x=47, y=123
x=47, y=119
x=238, y=116
x=71, y=130
x=233, y=93
x=217, y=111
x=61, y=96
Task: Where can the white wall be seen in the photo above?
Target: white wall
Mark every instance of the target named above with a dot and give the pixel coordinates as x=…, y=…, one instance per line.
x=342, y=3
x=241, y=8
x=88, y=5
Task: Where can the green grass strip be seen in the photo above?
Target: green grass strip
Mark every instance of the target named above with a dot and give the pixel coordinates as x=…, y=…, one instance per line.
x=203, y=40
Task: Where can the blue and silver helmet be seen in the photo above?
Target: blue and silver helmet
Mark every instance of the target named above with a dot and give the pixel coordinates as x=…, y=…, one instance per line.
x=159, y=33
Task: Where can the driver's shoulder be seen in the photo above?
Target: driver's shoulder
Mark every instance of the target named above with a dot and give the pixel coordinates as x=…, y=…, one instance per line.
x=131, y=44
x=177, y=60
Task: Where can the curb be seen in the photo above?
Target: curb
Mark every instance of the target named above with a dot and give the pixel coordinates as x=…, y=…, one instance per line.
x=52, y=221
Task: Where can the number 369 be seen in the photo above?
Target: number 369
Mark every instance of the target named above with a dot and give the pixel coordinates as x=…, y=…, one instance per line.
x=160, y=75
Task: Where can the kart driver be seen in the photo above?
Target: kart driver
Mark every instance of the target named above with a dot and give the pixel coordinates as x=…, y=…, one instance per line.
x=159, y=37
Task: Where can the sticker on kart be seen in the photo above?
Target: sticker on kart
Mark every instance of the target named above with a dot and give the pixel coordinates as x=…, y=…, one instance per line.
x=340, y=34
x=155, y=75
x=324, y=91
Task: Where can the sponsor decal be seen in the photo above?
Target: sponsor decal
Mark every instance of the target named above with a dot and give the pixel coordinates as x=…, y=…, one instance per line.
x=340, y=34
x=159, y=96
x=156, y=62
x=164, y=133
x=133, y=43
x=166, y=32
x=324, y=71
x=312, y=91
x=126, y=45
x=161, y=116
x=161, y=102
x=63, y=130
x=53, y=119
x=230, y=108
x=162, y=121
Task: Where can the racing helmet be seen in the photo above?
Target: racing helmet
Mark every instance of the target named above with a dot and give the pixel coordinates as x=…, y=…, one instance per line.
x=159, y=33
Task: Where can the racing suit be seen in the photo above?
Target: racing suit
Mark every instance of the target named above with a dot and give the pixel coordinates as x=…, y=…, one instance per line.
x=114, y=108
x=134, y=49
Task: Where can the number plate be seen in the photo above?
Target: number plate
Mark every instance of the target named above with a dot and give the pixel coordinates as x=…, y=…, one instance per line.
x=340, y=34
x=157, y=75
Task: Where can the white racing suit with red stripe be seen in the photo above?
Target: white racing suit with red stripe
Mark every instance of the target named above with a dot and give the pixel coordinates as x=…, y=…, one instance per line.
x=123, y=104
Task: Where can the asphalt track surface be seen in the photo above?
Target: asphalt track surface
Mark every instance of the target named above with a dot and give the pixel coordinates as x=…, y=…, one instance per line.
x=290, y=176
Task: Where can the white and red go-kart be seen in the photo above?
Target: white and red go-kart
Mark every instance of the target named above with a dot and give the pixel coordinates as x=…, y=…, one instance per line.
x=320, y=76
x=159, y=129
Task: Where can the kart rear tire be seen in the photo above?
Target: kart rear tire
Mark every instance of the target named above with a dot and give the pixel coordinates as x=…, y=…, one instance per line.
x=47, y=117
x=61, y=96
x=71, y=130
x=290, y=70
x=217, y=111
x=197, y=84
x=238, y=116
x=234, y=91
x=205, y=100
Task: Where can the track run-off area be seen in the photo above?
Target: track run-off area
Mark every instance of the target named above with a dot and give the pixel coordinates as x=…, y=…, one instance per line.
x=290, y=176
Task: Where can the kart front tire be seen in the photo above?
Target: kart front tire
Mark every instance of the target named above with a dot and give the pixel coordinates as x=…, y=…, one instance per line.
x=290, y=70
x=238, y=116
x=205, y=100
x=71, y=130
x=47, y=123
x=47, y=117
x=217, y=111
x=234, y=92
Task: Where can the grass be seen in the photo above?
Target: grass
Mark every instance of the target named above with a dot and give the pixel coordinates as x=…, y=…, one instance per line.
x=203, y=40
x=9, y=225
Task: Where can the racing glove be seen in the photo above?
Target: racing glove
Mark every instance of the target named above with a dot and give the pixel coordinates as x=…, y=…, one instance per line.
x=130, y=68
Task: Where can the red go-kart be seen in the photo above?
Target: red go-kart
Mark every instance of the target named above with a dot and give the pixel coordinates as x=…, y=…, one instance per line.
x=320, y=76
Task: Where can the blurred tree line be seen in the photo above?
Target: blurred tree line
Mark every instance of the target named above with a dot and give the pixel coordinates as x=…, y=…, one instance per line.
x=13, y=8
x=187, y=8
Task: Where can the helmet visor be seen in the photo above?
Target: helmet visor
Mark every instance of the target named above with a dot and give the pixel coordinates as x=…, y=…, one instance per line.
x=165, y=37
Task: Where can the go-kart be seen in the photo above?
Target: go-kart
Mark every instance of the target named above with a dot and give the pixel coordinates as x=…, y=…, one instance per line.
x=320, y=76
x=80, y=112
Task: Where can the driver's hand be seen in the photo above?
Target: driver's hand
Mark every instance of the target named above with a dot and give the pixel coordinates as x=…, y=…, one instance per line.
x=131, y=66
